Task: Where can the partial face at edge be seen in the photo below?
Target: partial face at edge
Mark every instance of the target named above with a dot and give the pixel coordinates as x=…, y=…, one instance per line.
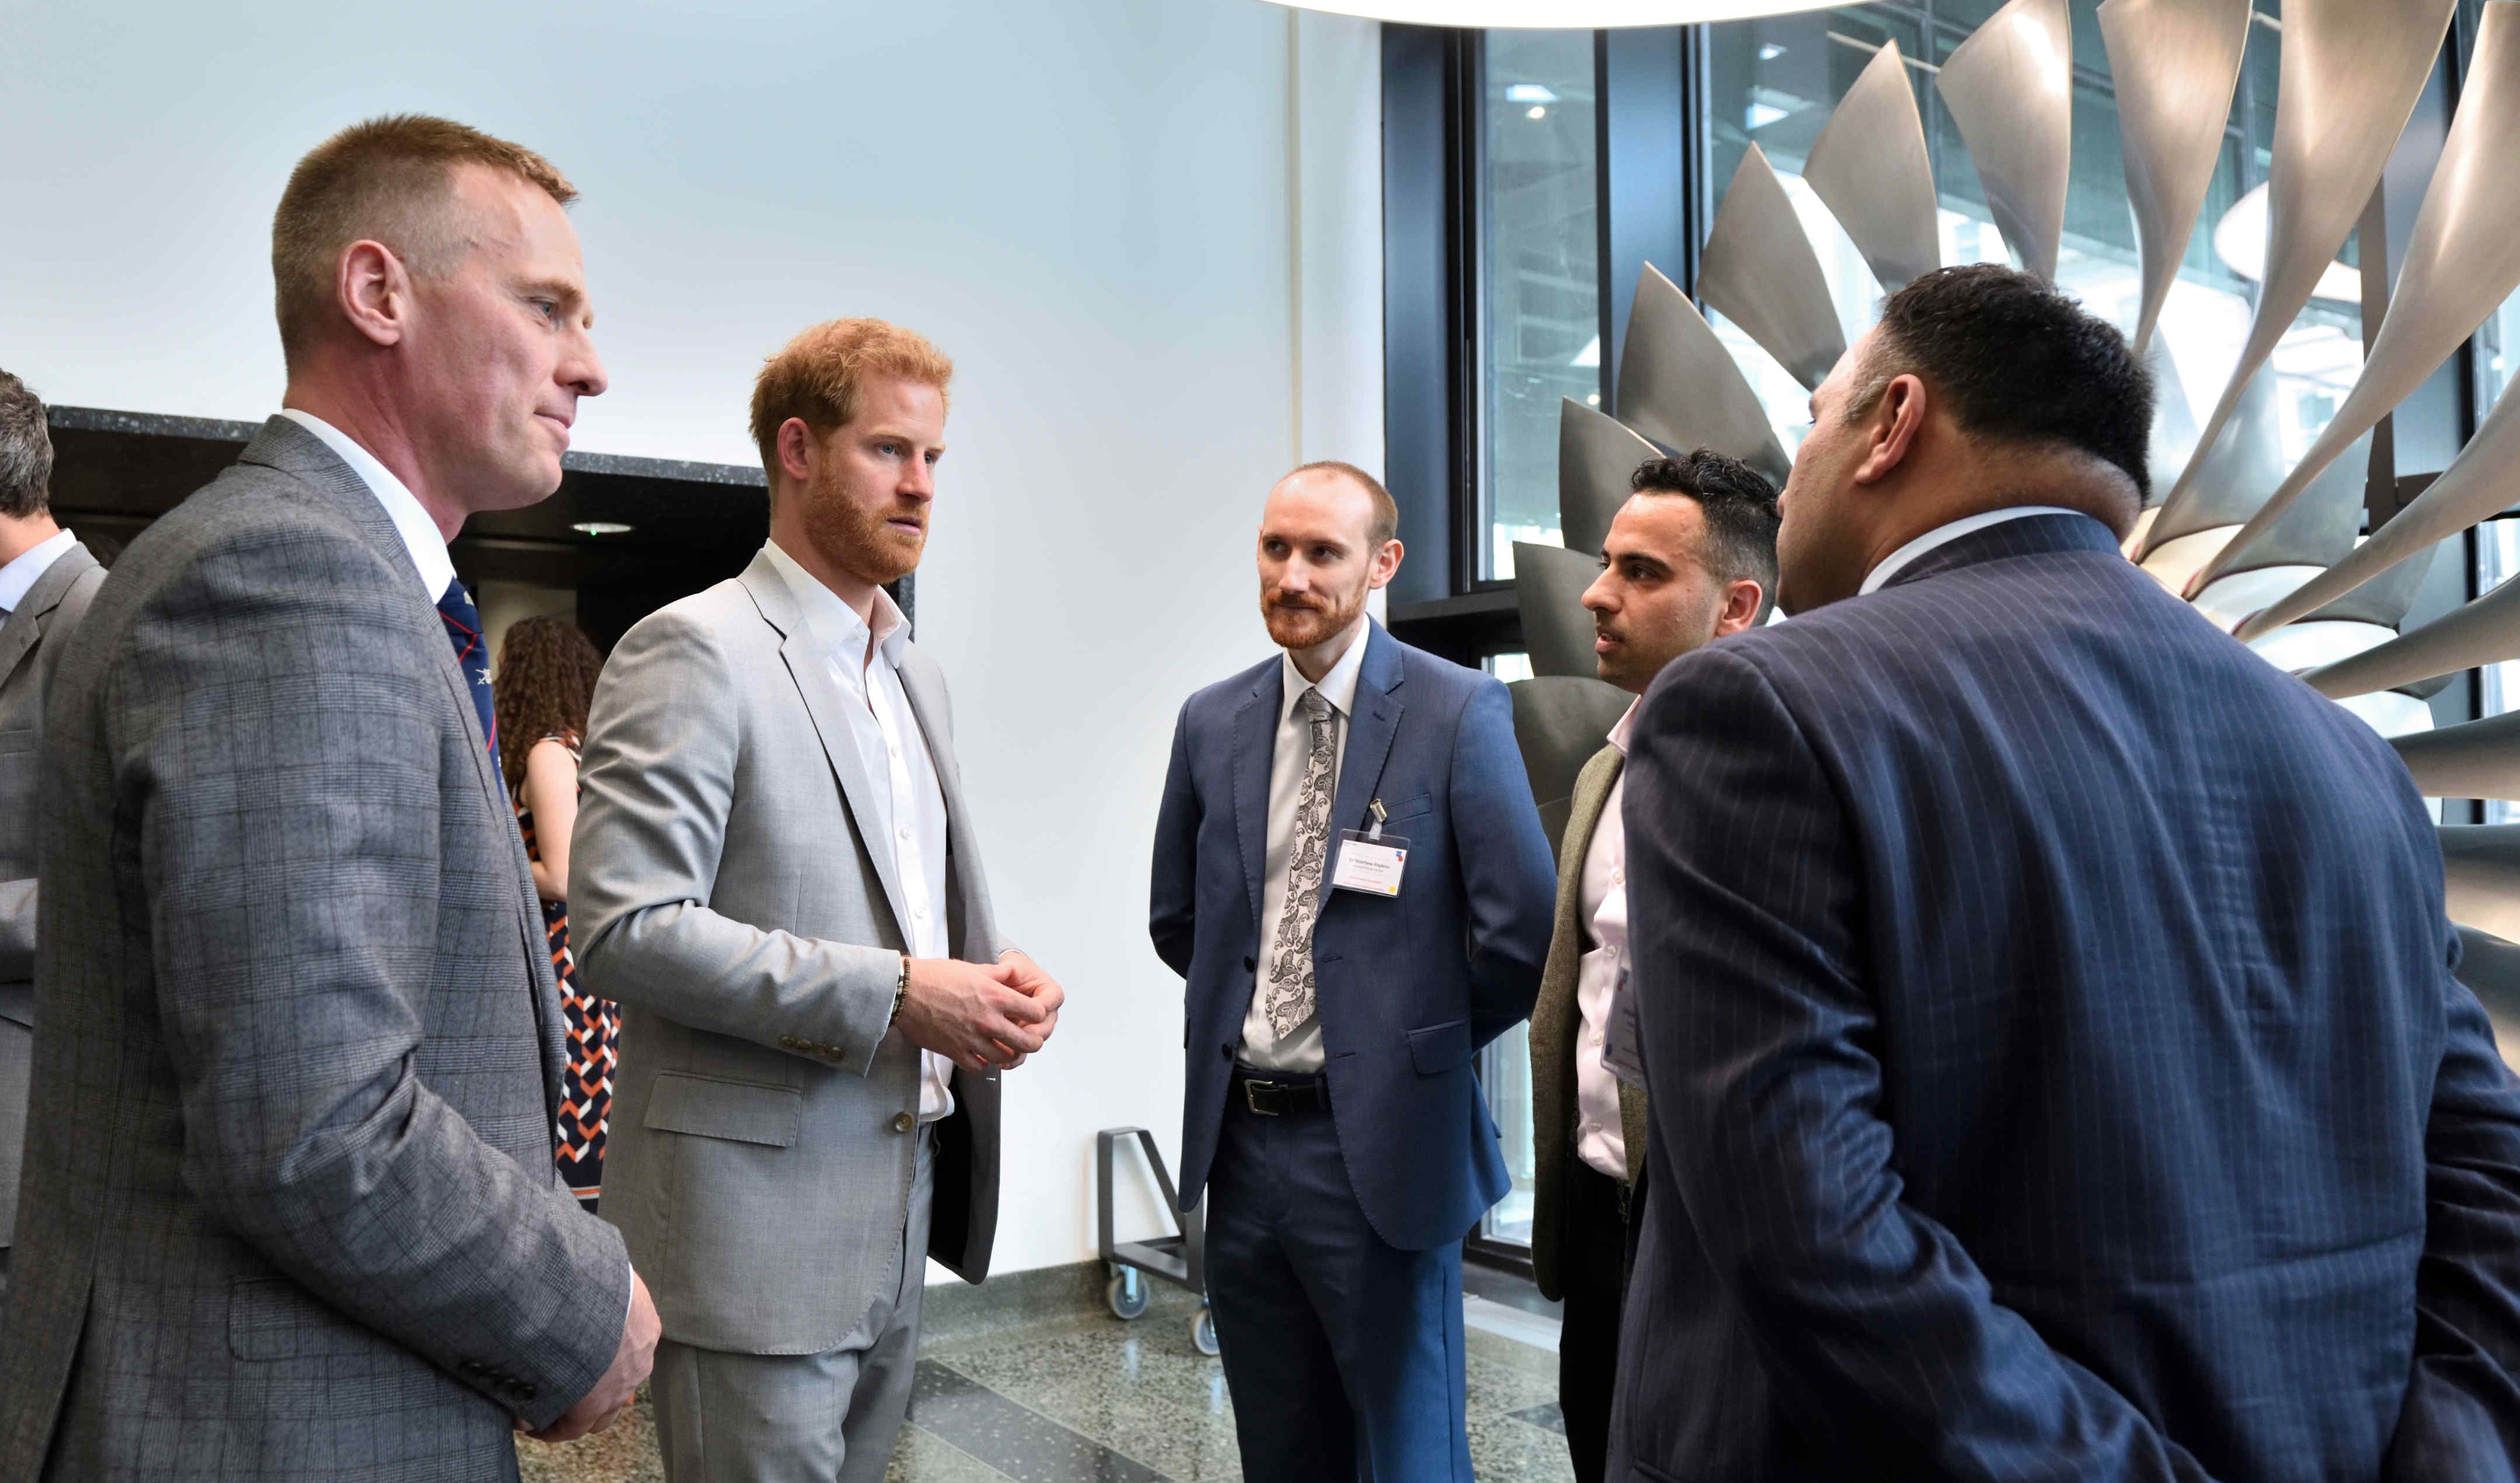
x=1316, y=558
x=872, y=483
x=501, y=347
x=1820, y=540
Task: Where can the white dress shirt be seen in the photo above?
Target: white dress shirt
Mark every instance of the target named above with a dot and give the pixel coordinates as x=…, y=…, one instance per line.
x=420, y=533
x=1602, y=899
x=865, y=662
x=1300, y=1052
x=28, y=567
x=1943, y=535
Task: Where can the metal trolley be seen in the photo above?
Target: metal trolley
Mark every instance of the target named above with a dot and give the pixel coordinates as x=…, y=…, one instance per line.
x=1176, y=1259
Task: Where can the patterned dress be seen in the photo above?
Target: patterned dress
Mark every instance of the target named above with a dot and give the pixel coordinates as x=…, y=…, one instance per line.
x=593, y=1030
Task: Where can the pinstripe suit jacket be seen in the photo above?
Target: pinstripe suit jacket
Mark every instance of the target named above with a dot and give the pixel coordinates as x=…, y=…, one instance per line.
x=2055, y=1069
x=290, y=1210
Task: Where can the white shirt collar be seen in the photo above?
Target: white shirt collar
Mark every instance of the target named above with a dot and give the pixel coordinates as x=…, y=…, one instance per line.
x=21, y=575
x=1338, y=687
x=1943, y=535
x=835, y=625
x=420, y=533
x=1627, y=727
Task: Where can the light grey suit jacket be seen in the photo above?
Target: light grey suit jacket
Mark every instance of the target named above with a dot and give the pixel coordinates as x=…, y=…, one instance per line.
x=290, y=1209
x=721, y=890
x=31, y=643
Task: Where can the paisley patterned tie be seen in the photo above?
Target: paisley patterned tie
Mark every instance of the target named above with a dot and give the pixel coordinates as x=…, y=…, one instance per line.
x=1289, y=1000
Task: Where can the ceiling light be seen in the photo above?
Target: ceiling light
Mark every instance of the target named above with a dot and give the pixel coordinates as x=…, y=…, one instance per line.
x=1772, y=51
x=1537, y=112
x=1553, y=15
x=1528, y=92
x=601, y=527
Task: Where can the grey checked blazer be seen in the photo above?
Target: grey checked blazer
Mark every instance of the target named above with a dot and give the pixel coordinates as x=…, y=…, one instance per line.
x=291, y=1210
x=30, y=645
x=758, y=1157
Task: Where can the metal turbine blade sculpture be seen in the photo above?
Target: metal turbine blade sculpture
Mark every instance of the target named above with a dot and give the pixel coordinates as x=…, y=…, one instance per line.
x=1761, y=273
x=2461, y=264
x=1679, y=387
x=2176, y=64
x=2478, y=761
x=1871, y=169
x=2352, y=72
x=2480, y=870
x=2486, y=631
x=1595, y=455
x=1559, y=721
x=1548, y=583
x=2010, y=89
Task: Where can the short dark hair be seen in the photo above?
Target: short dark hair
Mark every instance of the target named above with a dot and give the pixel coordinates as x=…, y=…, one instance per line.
x=25, y=450
x=1740, y=509
x=2018, y=362
x=1384, y=526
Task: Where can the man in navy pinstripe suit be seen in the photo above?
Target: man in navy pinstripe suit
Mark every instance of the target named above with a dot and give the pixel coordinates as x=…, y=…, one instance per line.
x=2055, y=1065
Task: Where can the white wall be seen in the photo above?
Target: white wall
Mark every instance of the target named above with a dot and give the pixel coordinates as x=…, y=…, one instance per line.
x=1147, y=230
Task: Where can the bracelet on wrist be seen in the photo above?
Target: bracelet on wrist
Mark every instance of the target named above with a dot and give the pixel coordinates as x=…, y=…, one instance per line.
x=900, y=992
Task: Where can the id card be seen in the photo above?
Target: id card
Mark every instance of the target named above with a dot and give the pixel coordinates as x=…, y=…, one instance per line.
x=1370, y=864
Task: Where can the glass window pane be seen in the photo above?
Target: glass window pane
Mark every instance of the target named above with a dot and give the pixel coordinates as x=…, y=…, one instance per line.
x=1541, y=266
x=1505, y=1072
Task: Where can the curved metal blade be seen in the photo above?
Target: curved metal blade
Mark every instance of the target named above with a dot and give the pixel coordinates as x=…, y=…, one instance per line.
x=2481, y=868
x=2010, y=89
x=2236, y=474
x=2461, y=264
x=1761, y=273
x=2174, y=430
x=2480, y=482
x=1558, y=723
x=2478, y=761
x=1681, y=388
x=1595, y=457
x=2352, y=72
x=2385, y=599
x=2486, y=631
x=1548, y=583
x=1869, y=166
x=2176, y=64
x=2491, y=968
x=2318, y=529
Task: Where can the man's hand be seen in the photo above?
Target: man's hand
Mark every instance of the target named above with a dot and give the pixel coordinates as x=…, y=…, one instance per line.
x=974, y=1016
x=619, y=1385
x=1043, y=989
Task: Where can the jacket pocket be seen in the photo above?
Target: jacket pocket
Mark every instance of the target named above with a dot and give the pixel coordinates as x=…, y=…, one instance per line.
x=1438, y=1049
x=1411, y=808
x=741, y=1111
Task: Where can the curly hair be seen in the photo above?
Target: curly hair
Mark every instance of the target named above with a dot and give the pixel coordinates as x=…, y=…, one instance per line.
x=546, y=681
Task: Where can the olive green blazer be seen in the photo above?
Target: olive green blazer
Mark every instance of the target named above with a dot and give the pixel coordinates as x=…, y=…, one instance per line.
x=1555, y=1021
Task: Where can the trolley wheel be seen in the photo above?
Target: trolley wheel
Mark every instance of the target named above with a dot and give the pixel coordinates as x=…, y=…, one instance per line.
x=1126, y=1292
x=1202, y=1331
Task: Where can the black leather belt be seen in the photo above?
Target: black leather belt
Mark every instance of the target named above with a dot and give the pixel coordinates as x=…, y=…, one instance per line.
x=1275, y=1094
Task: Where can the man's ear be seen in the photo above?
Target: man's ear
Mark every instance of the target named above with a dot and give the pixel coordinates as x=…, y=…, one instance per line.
x=1387, y=565
x=796, y=450
x=1741, y=601
x=1892, y=429
x=372, y=288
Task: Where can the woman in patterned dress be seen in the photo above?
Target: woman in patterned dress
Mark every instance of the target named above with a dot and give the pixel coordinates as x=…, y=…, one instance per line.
x=545, y=683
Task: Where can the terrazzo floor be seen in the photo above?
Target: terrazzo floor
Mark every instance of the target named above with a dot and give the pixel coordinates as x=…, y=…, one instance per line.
x=1089, y=1399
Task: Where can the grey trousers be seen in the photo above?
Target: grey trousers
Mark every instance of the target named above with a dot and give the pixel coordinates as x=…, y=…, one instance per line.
x=828, y=1417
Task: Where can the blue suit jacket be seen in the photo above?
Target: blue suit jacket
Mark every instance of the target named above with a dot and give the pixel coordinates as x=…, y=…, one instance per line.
x=2054, y=1064
x=1409, y=987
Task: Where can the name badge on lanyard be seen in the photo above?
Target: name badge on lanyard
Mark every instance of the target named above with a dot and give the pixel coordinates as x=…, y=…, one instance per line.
x=1371, y=862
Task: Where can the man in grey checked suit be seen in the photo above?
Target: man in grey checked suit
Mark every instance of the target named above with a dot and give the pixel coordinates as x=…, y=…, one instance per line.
x=47, y=579
x=290, y=1209
x=776, y=875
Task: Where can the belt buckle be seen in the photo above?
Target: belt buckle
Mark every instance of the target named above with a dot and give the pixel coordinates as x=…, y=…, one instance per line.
x=1251, y=1086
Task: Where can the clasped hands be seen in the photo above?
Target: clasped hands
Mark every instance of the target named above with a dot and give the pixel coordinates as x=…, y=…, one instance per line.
x=980, y=1015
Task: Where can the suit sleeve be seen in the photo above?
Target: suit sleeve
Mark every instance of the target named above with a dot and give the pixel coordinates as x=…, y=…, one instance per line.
x=1508, y=881
x=1173, y=900
x=661, y=748
x=278, y=736
x=2461, y=1416
x=18, y=898
x=1759, y=1038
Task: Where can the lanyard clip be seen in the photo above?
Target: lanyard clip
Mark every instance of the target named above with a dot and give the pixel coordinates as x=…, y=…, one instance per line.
x=1379, y=815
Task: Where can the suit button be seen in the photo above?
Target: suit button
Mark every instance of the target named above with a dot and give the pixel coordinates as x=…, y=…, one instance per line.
x=903, y=1122
x=1229, y=1050
x=1250, y=964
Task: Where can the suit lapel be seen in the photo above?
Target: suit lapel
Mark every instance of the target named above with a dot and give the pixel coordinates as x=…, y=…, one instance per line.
x=823, y=705
x=927, y=708
x=26, y=621
x=1370, y=731
x=1255, y=726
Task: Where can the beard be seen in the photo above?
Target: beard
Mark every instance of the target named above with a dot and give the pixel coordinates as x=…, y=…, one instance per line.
x=860, y=541
x=1317, y=618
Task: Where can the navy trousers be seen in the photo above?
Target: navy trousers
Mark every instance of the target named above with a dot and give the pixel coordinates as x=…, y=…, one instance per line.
x=1343, y=1352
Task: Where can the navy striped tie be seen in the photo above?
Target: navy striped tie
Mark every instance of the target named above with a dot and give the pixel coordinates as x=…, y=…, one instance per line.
x=472, y=655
